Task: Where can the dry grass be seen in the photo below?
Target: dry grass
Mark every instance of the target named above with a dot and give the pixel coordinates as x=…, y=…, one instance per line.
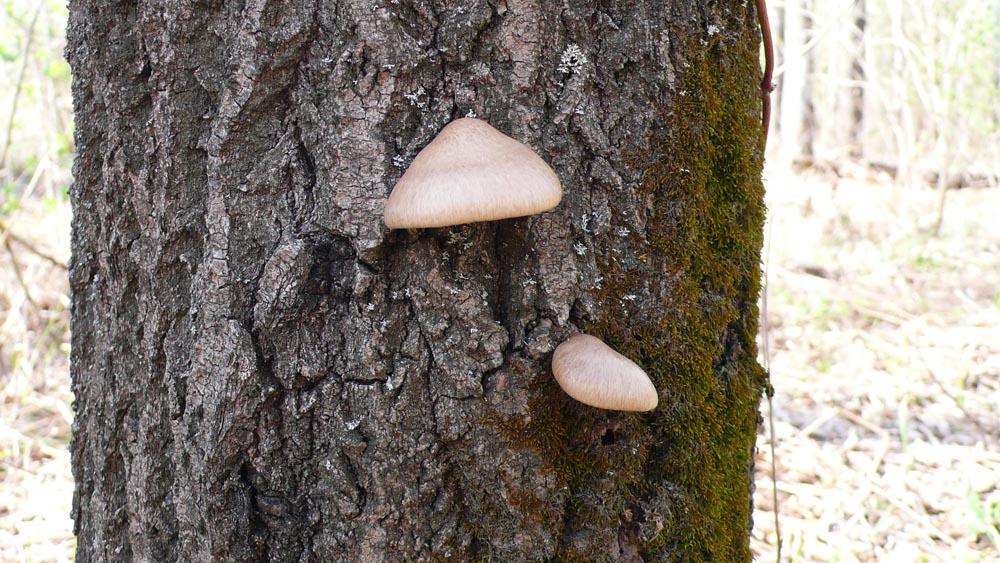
x=885, y=356
x=35, y=414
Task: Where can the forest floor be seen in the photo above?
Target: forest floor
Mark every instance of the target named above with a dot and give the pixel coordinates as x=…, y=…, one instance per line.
x=884, y=354
x=884, y=345
x=36, y=486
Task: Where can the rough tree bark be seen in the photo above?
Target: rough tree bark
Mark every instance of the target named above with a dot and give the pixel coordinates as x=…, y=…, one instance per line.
x=263, y=372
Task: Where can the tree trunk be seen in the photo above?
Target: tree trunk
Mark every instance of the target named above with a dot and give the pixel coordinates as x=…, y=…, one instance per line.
x=263, y=372
x=777, y=14
x=855, y=123
x=793, y=81
x=807, y=138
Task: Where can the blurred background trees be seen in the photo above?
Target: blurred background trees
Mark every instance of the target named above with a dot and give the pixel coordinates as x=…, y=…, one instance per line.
x=36, y=142
x=909, y=86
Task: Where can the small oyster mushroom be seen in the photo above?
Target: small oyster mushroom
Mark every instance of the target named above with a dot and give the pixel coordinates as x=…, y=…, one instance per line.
x=471, y=172
x=591, y=372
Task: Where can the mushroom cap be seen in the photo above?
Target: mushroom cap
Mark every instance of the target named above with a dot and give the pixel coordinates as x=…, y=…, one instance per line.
x=591, y=372
x=471, y=172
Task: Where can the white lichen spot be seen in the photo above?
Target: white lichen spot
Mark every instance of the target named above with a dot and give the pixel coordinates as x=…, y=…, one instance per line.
x=399, y=161
x=388, y=66
x=370, y=307
x=352, y=424
x=580, y=249
x=473, y=330
x=453, y=290
x=529, y=281
x=622, y=232
x=572, y=60
x=414, y=98
x=630, y=297
x=713, y=30
x=471, y=113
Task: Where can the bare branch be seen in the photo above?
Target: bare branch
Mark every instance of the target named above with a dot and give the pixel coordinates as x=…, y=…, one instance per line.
x=20, y=83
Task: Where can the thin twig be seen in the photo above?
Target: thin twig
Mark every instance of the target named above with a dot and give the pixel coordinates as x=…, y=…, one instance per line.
x=860, y=421
x=5, y=234
x=769, y=390
x=921, y=519
x=20, y=278
x=20, y=83
x=767, y=84
x=34, y=250
x=933, y=373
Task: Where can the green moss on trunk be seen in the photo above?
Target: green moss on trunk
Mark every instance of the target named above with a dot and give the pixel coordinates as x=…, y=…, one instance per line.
x=707, y=229
x=676, y=481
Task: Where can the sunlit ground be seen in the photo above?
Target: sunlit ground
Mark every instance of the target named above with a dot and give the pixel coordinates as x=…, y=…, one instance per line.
x=35, y=415
x=885, y=358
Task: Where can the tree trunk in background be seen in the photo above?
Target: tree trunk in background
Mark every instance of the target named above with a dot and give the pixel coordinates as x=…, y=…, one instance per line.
x=777, y=15
x=807, y=138
x=263, y=372
x=793, y=81
x=834, y=79
x=856, y=127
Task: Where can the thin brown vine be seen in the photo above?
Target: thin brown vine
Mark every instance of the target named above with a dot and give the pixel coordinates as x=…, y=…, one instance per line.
x=766, y=86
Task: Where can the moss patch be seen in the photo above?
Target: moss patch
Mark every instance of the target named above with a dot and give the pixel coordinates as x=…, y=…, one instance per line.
x=705, y=233
x=675, y=481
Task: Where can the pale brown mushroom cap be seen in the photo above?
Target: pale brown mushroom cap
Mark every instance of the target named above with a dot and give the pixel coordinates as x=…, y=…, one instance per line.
x=471, y=172
x=591, y=372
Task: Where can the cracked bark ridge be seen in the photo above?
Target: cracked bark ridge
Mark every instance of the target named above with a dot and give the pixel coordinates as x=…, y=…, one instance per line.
x=262, y=371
